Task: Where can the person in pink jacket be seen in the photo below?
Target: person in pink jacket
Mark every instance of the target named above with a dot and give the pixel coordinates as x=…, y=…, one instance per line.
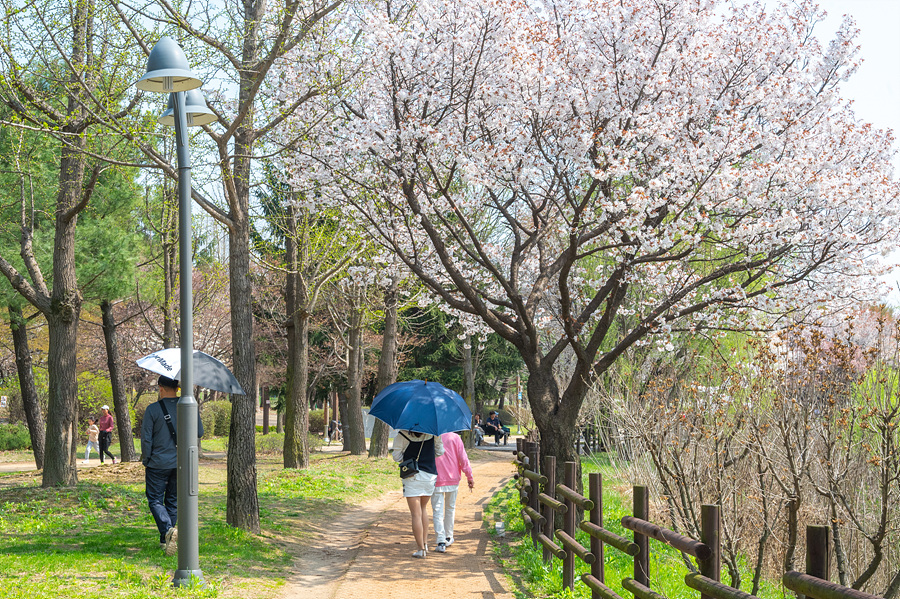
x=450, y=466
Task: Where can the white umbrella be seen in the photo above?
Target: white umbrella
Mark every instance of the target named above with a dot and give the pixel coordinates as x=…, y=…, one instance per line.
x=208, y=372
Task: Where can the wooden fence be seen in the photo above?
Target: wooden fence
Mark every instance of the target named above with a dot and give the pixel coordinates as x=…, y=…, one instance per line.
x=543, y=498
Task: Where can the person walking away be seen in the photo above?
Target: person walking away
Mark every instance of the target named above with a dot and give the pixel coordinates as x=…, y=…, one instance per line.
x=106, y=428
x=93, y=432
x=418, y=488
x=160, y=458
x=450, y=466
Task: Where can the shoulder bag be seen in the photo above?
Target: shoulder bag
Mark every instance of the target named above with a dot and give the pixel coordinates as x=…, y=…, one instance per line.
x=410, y=466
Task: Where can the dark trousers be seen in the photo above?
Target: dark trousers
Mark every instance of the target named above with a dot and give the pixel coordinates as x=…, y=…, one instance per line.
x=105, y=442
x=161, y=488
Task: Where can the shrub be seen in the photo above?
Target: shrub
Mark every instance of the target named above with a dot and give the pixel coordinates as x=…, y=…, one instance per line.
x=219, y=418
x=208, y=417
x=317, y=421
x=271, y=443
x=14, y=437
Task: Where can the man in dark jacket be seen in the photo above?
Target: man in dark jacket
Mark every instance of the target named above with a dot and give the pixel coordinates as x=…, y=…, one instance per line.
x=160, y=458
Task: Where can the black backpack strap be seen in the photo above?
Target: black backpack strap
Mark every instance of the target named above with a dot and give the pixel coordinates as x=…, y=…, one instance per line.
x=168, y=420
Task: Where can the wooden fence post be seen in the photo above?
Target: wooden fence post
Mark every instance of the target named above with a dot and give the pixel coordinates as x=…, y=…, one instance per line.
x=534, y=451
x=710, y=535
x=641, y=509
x=595, y=491
x=568, y=571
x=818, y=551
x=548, y=512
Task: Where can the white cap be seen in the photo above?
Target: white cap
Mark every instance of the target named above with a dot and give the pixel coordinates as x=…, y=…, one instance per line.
x=104, y=407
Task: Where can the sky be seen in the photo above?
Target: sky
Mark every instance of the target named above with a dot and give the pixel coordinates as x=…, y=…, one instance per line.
x=875, y=87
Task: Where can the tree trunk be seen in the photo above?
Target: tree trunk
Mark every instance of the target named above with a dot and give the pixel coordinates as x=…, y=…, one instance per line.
x=354, y=432
x=469, y=386
x=296, y=408
x=62, y=320
x=117, y=380
x=387, y=366
x=555, y=420
x=62, y=431
x=169, y=229
x=32, y=406
x=342, y=410
x=242, y=501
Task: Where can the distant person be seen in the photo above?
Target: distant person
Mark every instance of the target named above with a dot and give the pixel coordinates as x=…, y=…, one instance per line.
x=93, y=432
x=450, y=466
x=334, y=431
x=106, y=428
x=419, y=488
x=477, y=429
x=160, y=458
x=493, y=426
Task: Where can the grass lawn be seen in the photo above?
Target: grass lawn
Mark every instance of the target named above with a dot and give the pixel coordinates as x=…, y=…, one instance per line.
x=99, y=540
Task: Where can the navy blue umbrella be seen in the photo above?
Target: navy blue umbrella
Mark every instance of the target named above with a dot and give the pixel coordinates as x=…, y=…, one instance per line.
x=422, y=407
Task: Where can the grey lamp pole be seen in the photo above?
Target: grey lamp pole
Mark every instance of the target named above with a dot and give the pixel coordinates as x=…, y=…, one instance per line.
x=168, y=72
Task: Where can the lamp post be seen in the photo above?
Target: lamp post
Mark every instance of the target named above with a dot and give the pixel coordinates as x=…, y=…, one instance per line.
x=168, y=72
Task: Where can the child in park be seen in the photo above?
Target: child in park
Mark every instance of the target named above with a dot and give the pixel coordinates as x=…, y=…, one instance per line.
x=93, y=439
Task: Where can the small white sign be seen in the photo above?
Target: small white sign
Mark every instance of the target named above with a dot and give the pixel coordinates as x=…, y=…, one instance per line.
x=2, y=401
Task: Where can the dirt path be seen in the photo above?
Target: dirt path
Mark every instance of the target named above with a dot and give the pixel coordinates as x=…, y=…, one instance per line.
x=368, y=552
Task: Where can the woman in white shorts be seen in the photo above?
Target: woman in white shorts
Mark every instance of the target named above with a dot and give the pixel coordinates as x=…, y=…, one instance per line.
x=418, y=488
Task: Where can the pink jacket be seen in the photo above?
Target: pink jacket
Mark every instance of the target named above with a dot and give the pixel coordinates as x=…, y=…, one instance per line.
x=452, y=462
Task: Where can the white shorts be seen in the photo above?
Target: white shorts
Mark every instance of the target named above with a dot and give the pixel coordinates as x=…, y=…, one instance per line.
x=419, y=485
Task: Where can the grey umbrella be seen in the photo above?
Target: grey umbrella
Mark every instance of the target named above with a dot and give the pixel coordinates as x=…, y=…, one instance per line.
x=208, y=372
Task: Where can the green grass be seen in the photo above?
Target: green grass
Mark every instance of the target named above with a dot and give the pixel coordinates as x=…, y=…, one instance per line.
x=533, y=578
x=98, y=540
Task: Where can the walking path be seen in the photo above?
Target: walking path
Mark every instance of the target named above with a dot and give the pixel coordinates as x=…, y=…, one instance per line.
x=368, y=552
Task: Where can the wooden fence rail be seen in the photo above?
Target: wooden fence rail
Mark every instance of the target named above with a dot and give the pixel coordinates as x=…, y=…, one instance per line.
x=543, y=498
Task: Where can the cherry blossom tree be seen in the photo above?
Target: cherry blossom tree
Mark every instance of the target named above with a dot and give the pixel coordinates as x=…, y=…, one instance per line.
x=585, y=177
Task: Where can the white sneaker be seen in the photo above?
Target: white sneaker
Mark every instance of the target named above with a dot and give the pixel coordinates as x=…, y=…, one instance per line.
x=171, y=543
x=419, y=553
x=449, y=542
x=442, y=547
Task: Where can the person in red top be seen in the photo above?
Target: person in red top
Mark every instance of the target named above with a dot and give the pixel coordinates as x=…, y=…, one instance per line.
x=106, y=427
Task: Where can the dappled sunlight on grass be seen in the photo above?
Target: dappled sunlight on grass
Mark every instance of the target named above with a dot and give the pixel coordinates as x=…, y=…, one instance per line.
x=97, y=539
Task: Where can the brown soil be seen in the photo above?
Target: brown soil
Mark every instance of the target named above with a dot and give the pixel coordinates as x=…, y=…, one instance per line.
x=367, y=553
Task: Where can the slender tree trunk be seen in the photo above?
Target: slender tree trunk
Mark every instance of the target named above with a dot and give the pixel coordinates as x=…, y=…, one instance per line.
x=387, y=366
x=120, y=400
x=296, y=409
x=354, y=432
x=793, y=507
x=170, y=269
x=32, y=406
x=242, y=501
x=342, y=409
x=469, y=386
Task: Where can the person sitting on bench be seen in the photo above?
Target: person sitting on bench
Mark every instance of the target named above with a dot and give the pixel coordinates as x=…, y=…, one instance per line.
x=493, y=426
x=477, y=429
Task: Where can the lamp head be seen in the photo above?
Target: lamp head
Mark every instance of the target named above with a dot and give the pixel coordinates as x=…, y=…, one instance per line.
x=196, y=111
x=167, y=69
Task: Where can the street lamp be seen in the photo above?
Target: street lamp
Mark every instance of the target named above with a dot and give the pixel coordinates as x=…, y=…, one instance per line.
x=168, y=72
